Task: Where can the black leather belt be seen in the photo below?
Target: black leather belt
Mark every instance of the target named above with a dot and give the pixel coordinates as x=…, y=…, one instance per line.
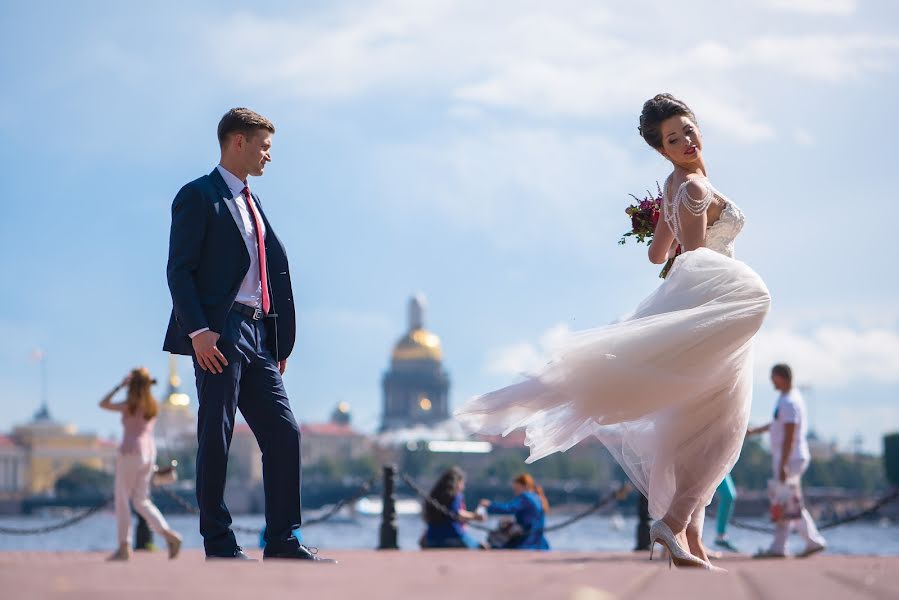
x=254, y=313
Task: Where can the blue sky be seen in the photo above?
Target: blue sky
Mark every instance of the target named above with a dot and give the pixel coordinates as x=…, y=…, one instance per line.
x=480, y=154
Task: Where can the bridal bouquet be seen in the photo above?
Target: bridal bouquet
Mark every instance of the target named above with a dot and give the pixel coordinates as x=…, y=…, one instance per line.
x=644, y=217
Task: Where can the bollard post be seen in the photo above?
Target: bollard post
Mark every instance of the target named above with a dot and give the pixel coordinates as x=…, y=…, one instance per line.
x=891, y=457
x=143, y=536
x=642, y=524
x=388, y=513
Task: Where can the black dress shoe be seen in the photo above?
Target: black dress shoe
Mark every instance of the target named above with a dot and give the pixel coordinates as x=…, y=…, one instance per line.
x=301, y=552
x=236, y=554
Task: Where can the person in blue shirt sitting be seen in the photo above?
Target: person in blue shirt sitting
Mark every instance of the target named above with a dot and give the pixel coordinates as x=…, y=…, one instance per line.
x=529, y=509
x=443, y=531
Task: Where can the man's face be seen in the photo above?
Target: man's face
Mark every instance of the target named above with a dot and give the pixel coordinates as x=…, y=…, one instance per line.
x=779, y=381
x=255, y=151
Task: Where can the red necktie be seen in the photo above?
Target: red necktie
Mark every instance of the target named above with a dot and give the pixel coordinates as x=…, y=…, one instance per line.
x=260, y=246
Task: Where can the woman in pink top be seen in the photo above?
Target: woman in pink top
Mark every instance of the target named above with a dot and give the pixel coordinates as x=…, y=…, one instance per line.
x=134, y=464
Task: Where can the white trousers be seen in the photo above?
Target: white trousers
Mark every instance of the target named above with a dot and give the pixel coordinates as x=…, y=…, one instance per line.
x=132, y=483
x=805, y=524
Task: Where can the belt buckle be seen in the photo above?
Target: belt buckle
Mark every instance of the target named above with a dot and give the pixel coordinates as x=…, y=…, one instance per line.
x=257, y=314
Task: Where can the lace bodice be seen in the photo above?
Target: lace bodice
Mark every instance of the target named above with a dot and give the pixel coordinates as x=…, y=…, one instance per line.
x=721, y=234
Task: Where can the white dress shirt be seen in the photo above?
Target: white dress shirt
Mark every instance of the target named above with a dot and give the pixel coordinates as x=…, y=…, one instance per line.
x=250, y=291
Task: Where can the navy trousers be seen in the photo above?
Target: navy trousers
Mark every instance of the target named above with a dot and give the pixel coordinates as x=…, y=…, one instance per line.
x=251, y=382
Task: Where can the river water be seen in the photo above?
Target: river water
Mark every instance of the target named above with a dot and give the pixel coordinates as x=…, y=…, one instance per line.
x=612, y=533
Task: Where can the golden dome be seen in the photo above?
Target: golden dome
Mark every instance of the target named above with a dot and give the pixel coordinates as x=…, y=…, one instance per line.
x=418, y=344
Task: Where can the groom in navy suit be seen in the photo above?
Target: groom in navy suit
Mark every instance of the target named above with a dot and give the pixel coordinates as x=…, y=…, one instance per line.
x=233, y=313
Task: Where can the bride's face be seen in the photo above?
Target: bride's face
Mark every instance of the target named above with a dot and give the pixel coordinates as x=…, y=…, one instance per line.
x=681, y=140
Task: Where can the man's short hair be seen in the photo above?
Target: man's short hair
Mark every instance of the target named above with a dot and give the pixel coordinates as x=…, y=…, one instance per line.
x=784, y=371
x=244, y=121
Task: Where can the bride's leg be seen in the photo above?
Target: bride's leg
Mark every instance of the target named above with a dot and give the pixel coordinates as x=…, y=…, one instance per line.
x=694, y=534
x=684, y=498
x=675, y=473
x=700, y=445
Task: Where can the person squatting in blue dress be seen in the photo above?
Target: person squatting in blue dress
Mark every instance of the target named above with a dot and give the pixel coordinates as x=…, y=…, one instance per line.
x=529, y=508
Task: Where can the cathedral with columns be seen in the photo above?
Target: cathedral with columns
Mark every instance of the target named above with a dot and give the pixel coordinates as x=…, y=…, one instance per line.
x=416, y=386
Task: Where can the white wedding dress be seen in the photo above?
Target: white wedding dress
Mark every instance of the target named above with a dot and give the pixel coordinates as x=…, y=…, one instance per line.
x=667, y=389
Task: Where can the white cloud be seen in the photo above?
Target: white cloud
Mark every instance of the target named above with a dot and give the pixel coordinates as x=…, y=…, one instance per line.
x=831, y=355
x=518, y=186
x=730, y=118
x=824, y=7
x=568, y=60
x=873, y=313
x=832, y=58
x=828, y=356
x=527, y=357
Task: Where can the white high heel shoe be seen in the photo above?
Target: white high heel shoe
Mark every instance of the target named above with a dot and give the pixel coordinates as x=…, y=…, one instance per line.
x=660, y=533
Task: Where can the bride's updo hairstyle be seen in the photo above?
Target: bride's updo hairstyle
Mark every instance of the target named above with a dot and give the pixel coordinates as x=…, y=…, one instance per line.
x=656, y=111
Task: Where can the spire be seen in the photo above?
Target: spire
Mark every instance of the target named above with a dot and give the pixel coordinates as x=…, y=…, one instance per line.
x=174, y=397
x=417, y=304
x=43, y=413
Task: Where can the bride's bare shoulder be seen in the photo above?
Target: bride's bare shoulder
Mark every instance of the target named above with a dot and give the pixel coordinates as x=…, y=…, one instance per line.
x=696, y=189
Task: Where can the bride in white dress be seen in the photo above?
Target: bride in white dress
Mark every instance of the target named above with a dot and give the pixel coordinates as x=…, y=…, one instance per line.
x=667, y=389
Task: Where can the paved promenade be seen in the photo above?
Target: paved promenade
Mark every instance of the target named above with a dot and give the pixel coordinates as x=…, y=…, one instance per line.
x=446, y=575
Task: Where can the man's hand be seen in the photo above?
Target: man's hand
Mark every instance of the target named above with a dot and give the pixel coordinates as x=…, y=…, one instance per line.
x=782, y=473
x=282, y=366
x=751, y=431
x=208, y=355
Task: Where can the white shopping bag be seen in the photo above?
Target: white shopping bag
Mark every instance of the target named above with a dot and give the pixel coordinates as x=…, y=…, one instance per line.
x=785, y=498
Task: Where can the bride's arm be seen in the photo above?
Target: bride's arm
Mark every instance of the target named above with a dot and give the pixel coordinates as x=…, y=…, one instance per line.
x=663, y=242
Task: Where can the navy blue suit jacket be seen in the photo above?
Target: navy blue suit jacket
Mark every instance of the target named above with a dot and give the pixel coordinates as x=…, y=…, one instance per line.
x=208, y=260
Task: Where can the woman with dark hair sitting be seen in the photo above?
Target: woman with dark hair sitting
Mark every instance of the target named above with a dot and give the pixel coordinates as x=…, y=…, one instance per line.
x=529, y=508
x=444, y=531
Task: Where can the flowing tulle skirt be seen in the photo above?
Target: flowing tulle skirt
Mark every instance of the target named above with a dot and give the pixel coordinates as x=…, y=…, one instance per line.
x=667, y=389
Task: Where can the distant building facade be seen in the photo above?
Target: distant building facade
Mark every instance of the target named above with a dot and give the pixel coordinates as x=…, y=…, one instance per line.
x=334, y=440
x=13, y=469
x=244, y=456
x=47, y=450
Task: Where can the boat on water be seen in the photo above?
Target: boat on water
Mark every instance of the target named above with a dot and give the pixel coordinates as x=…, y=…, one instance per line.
x=374, y=506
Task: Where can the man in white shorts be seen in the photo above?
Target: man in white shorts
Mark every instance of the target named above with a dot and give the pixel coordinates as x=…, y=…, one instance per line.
x=789, y=457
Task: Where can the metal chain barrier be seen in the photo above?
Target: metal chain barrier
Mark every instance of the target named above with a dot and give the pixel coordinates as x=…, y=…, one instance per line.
x=363, y=489
x=831, y=524
x=179, y=500
x=367, y=486
x=421, y=493
x=616, y=494
x=750, y=527
x=61, y=525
